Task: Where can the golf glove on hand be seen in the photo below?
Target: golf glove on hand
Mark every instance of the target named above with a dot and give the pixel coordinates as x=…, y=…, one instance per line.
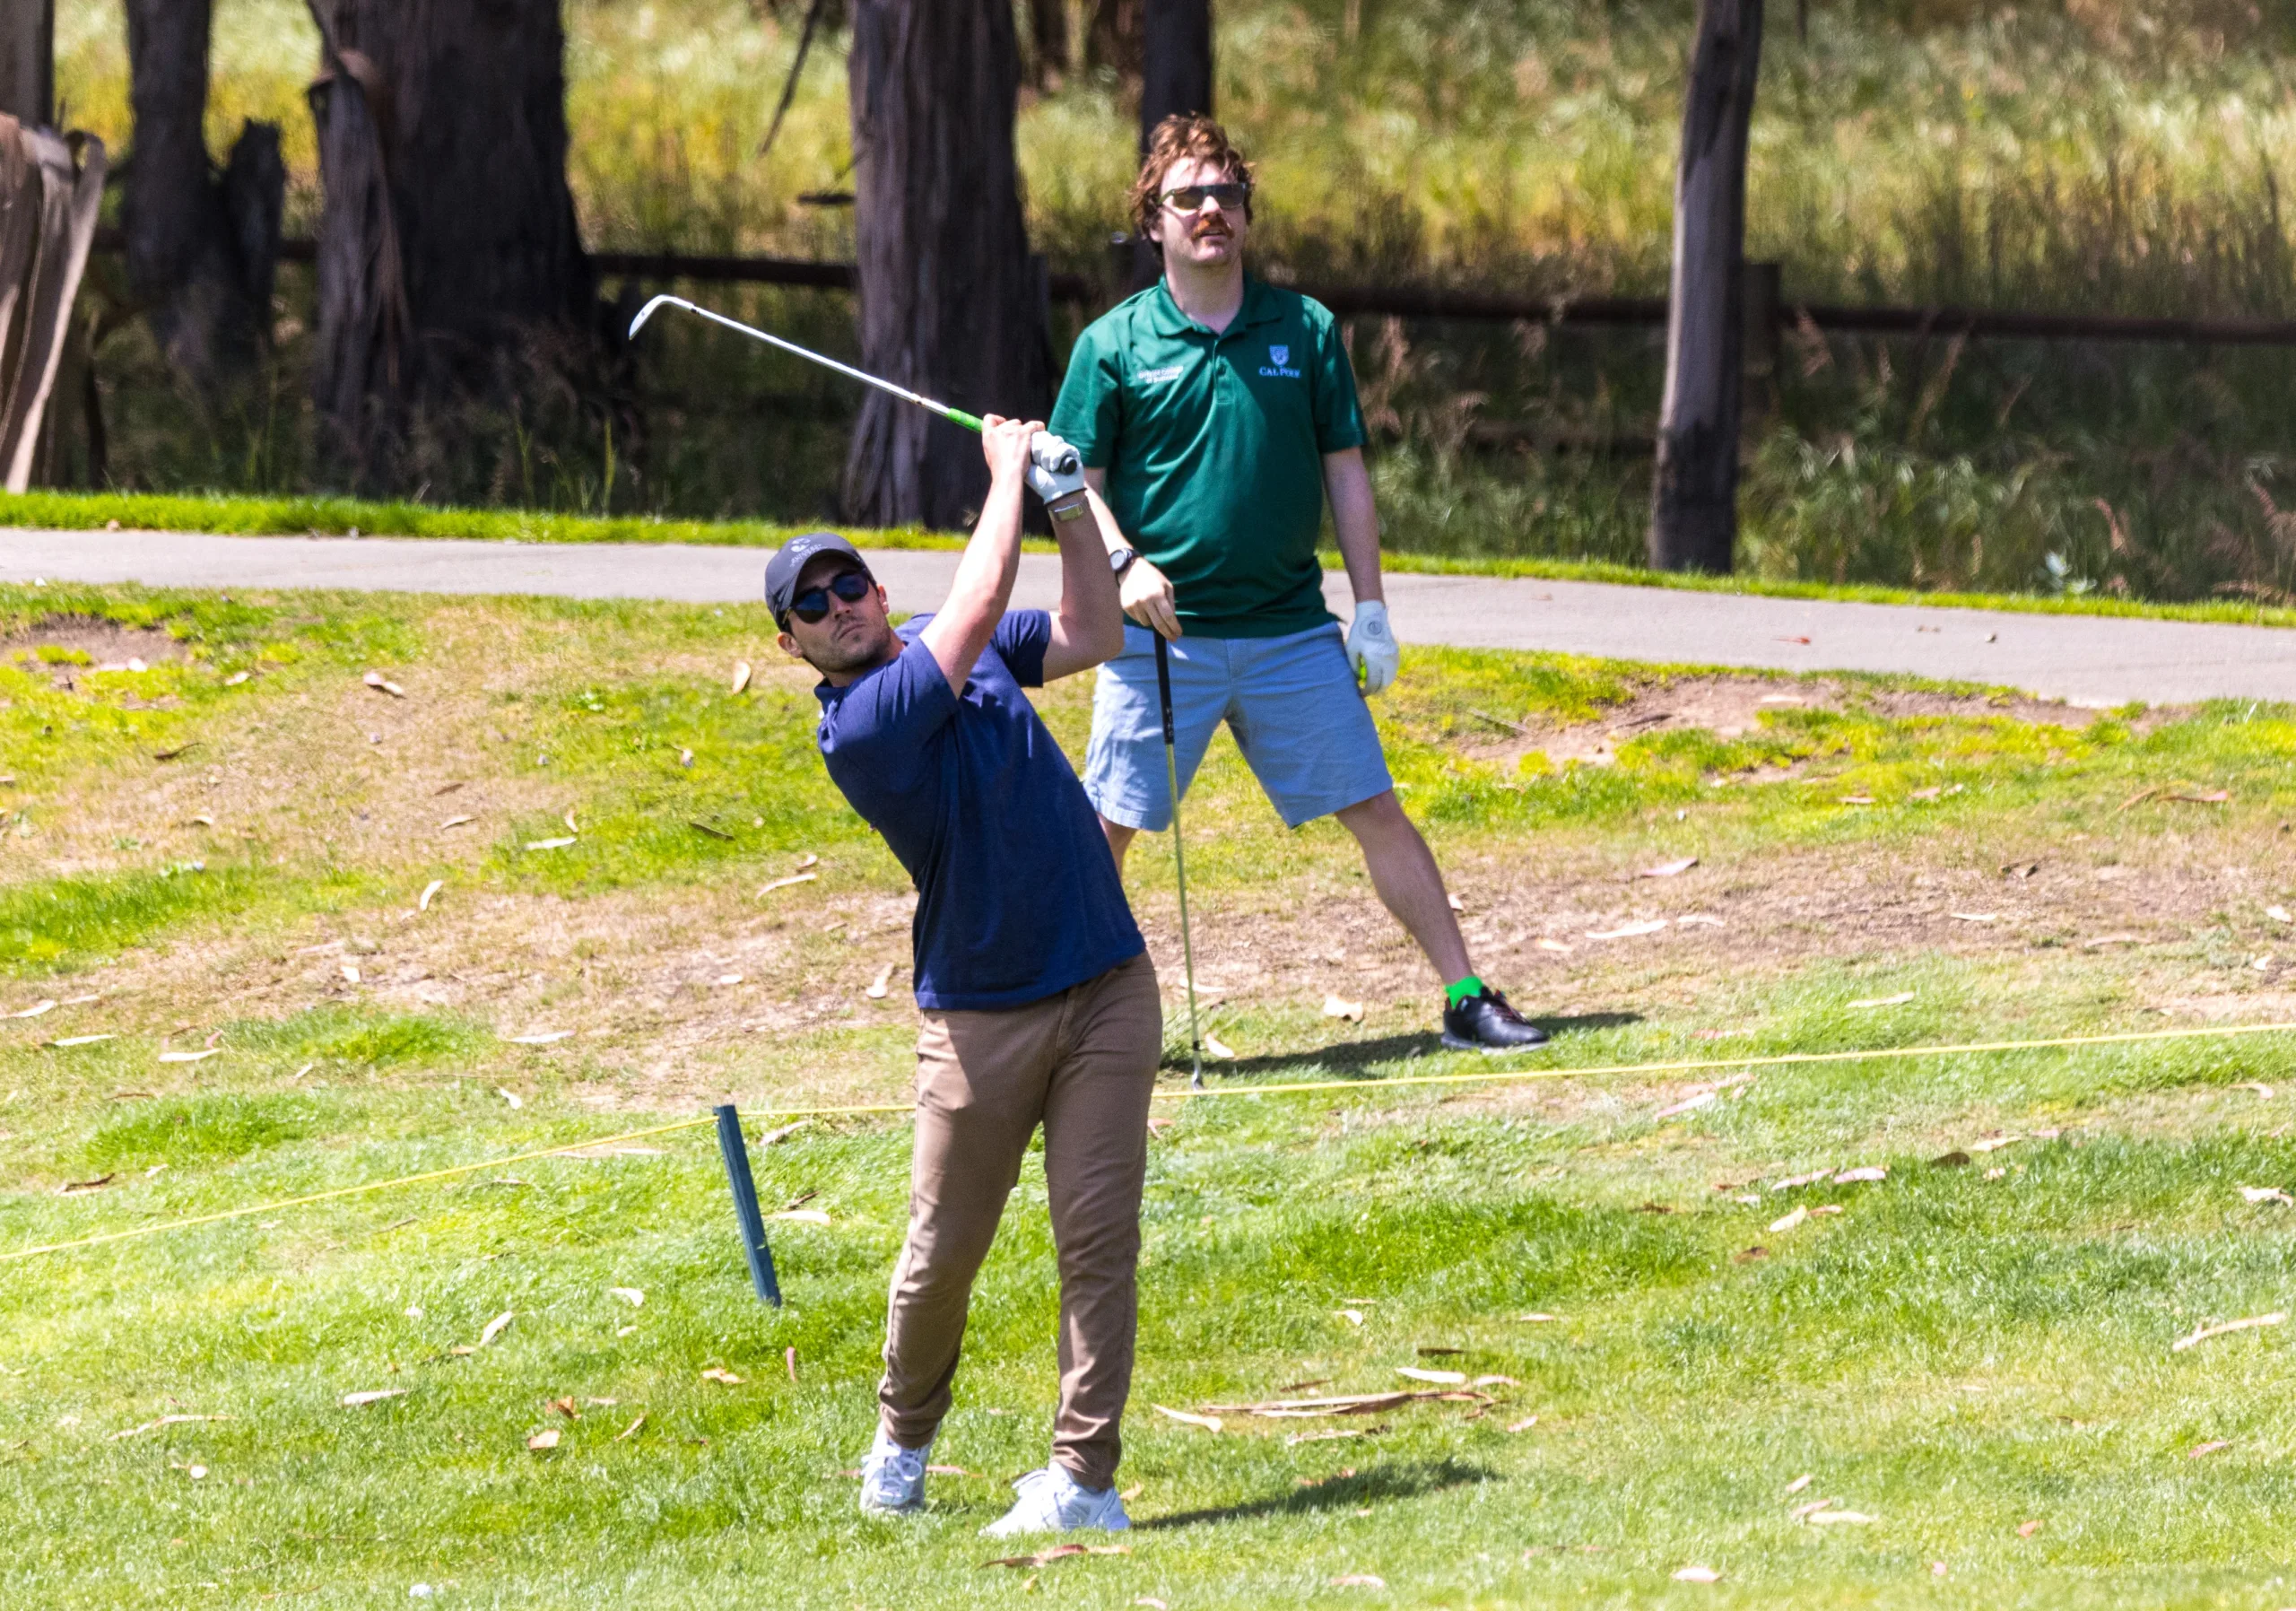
x=1371, y=649
x=1056, y=471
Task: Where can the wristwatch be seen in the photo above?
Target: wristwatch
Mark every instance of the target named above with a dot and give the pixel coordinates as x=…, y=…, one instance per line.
x=1120, y=561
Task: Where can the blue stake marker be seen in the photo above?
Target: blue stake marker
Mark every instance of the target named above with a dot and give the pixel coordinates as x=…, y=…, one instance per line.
x=736, y=1154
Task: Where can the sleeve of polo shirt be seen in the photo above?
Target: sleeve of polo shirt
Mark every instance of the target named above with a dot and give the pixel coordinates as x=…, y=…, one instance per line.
x=1021, y=639
x=1087, y=412
x=887, y=721
x=1339, y=416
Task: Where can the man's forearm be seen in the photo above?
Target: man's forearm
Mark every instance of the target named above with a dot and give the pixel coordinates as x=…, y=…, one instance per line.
x=1355, y=520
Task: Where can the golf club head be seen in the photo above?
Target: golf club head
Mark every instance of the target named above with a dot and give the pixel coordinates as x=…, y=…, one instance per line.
x=646, y=312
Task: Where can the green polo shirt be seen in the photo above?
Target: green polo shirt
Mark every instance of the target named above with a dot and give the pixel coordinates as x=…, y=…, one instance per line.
x=1214, y=446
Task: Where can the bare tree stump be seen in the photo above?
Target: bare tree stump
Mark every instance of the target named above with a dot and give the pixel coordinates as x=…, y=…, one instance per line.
x=951, y=304
x=50, y=192
x=1695, y=496
x=448, y=240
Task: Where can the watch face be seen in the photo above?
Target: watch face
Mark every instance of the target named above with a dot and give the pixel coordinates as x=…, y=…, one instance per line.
x=1118, y=558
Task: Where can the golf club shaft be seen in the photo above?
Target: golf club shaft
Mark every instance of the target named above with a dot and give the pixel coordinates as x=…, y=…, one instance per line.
x=955, y=416
x=1179, y=857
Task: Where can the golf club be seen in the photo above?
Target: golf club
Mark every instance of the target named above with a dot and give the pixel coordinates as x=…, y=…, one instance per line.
x=1060, y=461
x=1179, y=859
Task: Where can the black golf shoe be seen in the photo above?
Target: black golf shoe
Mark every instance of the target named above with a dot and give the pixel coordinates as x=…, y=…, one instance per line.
x=1485, y=1022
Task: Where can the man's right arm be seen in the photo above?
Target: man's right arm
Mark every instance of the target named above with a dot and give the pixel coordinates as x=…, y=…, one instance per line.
x=962, y=628
x=1144, y=591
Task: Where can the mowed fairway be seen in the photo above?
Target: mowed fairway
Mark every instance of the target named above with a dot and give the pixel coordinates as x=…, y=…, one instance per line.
x=1681, y=1316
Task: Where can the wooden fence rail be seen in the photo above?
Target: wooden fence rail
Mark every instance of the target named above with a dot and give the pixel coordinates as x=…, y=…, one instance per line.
x=1407, y=302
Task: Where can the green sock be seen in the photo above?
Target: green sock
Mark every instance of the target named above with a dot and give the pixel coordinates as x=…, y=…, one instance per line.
x=1466, y=990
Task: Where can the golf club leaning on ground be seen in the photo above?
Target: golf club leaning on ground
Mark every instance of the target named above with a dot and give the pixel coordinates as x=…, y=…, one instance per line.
x=1179, y=858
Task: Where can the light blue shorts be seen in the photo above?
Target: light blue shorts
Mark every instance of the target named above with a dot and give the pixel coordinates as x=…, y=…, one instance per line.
x=1292, y=703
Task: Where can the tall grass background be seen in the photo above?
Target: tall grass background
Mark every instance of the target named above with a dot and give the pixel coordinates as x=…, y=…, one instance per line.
x=2077, y=155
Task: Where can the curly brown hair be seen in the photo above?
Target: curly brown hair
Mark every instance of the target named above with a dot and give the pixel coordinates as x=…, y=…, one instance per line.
x=1181, y=138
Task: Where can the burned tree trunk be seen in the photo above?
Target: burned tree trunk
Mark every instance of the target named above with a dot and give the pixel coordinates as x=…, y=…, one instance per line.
x=951, y=304
x=1694, y=497
x=202, y=247
x=1175, y=62
x=448, y=240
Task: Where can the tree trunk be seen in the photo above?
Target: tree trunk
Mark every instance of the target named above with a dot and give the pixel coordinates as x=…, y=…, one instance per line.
x=28, y=62
x=1175, y=62
x=1112, y=40
x=448, y=240
x=200, y=249
x=1694, y=497
x=51, y=189
x=1048, y=38
x=951, y=304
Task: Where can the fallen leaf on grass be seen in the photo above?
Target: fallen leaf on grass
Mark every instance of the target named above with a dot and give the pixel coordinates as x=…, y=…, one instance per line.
x=1297, y=1438
x=133, y=1431
x=1333, y=1007
x=1524, y=1424
x=1778, y=1227
x=1702, y=1574
x=1994, y=1144
x=627, y=1294
x=350, y=972
x=546, y=1439
x=2279, y=914
x=1899, y=999
x=1803, y=1513
x=1449, y=1379
x=1704, y=1099
x=783, y=883
x=510, y=1096
x=1209, y=1422
x=1749, y=1255
x=380, y=684
x=2259, y=1086
x=97, y=1184
x=1828, y=1518
x=1629, y=930
x=2026, y=1529
x=1871, y=1172
x=1537, y=1318
x=1800, y=1483
x=1215, y=1046
x=878, y=986
x=2211, y=1447
x=429, y=892
x=741, y=676
x=353, y=1400
x=1557, y=946
x=1972, y=917
x=2215, y=796
x=1153, y=1603
x=565, y=1407
x=707, y=831
x=82, y=1040
x=2277, y=1317
x=235, y=679
x=1793, y=1182
x=190, y=1057
x=2103, y=940
x=1669, y=869
x=2266, y=1194
x=550, y=844
x=494, y=1327
x=1494, y=1381
x=543, y=1037
x=1359, y=1580
x=719, y=1373
x=454, y=822
x=630, y=1431
x=775, y=1138
x=1857, y=800
x=1353, y=1316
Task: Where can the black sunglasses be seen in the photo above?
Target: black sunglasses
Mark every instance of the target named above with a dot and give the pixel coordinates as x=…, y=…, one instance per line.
x=1189, y=198
x=813, y=604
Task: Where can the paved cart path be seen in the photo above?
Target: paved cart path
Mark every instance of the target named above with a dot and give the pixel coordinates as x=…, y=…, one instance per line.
x=2088, y=659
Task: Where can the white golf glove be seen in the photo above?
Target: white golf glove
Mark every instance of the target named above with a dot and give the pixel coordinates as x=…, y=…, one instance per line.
x=1371, y=648
x=1057, y=473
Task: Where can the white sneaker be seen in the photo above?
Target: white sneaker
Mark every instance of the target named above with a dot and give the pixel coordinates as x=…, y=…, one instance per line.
x=893, y=1478
x=1053, y=1502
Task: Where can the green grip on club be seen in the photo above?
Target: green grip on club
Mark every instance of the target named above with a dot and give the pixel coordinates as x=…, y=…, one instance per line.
x=958, y=416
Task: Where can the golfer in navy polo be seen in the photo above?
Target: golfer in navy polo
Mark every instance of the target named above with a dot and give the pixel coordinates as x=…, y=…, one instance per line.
x=1039, y=1004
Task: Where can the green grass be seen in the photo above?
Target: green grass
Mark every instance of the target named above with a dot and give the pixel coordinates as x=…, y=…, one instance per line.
x=1953, y=1355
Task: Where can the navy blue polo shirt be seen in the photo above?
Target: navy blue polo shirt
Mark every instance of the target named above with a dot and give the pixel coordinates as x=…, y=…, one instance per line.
x=1017, y=895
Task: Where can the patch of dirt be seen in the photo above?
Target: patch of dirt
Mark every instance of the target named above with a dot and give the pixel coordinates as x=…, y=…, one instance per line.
x=77, y=643
x=1731, y=706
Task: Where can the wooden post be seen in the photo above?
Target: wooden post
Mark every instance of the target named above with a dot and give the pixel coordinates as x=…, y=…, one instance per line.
x=951, y=304
x=28, y=62
x=1694, y=494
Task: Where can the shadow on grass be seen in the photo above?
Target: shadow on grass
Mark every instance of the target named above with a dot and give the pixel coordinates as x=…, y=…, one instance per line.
x=1406, y=1481
x=1355, y=1055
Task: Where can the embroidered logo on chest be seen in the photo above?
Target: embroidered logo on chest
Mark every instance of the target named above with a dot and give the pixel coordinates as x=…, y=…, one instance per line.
x=1158, y=376
x=1278, y=364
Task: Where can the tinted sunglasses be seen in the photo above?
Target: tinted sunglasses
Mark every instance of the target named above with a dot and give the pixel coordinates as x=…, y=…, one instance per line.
x=813, y=604
x=1189, y=198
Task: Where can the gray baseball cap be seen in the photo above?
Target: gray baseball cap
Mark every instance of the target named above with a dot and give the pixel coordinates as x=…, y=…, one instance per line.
x=788, y=564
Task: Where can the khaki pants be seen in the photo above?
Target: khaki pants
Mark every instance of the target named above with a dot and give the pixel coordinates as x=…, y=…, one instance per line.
x=1082, y=1064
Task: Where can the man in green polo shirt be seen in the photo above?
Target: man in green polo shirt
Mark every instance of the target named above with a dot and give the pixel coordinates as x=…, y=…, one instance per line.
x=1215, y=415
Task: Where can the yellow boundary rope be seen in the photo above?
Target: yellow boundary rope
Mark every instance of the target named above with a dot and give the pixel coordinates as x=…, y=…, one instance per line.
x=1478, y=1077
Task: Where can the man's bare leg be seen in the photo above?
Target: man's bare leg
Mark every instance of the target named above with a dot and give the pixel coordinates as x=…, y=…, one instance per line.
x=1410, y=884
